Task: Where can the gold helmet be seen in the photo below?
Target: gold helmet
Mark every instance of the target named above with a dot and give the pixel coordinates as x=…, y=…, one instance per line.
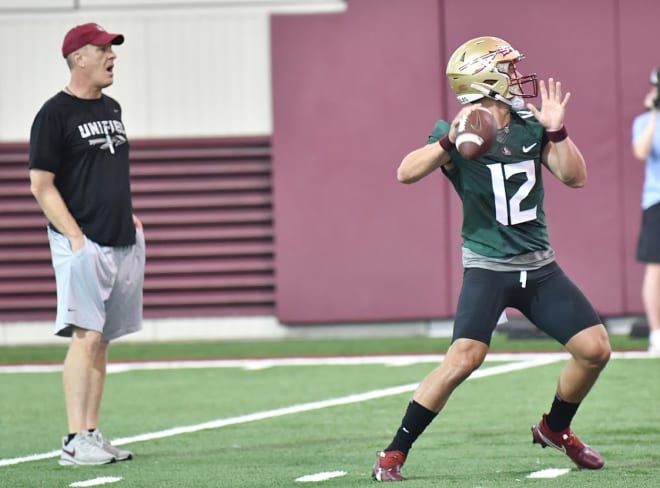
x=486, y=67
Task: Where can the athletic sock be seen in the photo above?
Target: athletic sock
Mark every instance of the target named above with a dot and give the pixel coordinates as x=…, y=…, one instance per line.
x=69, y=437
x=561, y=414
x=416, y=419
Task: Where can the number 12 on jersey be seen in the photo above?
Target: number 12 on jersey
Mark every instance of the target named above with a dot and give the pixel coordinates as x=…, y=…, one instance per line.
x=508, y=212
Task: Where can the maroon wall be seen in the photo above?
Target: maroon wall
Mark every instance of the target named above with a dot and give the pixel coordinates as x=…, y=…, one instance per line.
x=354, y=92
x=637, y=52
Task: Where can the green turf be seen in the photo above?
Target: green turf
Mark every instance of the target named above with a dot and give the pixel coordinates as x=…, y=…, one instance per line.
x=220, y=349
x=481, y=439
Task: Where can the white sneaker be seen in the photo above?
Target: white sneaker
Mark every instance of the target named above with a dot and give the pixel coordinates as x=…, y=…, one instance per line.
x=82, y=450
x=654, y=342
x=103, y=443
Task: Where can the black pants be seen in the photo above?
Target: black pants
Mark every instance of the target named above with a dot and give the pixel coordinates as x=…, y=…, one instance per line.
x=546, y=296
x=648, y=245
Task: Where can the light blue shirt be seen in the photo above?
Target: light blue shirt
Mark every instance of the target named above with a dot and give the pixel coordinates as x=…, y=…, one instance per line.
x=651, y=188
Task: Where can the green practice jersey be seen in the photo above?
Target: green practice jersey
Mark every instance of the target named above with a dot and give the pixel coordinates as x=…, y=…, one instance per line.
x=502, y=191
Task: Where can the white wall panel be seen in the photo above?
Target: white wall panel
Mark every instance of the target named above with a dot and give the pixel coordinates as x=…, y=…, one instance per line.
x=176, y=76
x=20, y=5
x=210, y=73
x=290, y=6
x=33, y=71
x=186, y=69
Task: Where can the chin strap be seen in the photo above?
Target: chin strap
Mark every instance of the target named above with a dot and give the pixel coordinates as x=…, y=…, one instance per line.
x=516, y=103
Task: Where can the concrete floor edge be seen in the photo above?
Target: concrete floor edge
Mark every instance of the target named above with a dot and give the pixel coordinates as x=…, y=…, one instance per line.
x=256, y=328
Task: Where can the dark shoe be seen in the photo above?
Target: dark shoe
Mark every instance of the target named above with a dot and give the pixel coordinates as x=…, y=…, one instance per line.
x=388, y=466
x=567, y=442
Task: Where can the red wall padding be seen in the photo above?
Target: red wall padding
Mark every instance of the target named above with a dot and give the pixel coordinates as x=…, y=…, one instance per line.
x=354, y=92
x=206, y=207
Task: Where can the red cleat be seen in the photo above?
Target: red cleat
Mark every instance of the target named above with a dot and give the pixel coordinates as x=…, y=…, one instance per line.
x=567, y=442
x=388, y=466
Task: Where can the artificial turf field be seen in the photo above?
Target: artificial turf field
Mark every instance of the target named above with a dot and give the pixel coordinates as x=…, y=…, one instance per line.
x=269, y=422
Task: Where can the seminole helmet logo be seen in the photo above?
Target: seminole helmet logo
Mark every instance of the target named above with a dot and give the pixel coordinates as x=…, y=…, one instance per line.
x=485, y=61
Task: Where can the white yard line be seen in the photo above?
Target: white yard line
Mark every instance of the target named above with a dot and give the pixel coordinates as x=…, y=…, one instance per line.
x=316, y=477
x=103, y=480
x=263, y=363
x=549, y=473
x=530, y=362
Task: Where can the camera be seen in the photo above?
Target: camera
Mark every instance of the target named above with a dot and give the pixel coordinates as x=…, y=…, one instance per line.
x=655, y=81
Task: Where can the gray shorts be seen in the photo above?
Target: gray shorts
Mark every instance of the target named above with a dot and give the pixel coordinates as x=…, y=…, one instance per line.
x=98, y=287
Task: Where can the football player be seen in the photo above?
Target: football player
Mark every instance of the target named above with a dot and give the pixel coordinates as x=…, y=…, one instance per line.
x=507, y=257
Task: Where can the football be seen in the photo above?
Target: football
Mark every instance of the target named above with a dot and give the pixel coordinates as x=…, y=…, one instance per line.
x=476, y=133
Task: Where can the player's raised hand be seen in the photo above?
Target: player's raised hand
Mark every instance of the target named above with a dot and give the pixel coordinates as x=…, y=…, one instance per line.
x=553, y=106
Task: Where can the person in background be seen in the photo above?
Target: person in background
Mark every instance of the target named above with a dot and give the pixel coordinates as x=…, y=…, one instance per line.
x=507, y=257
x=646, y=147
x=79, y=176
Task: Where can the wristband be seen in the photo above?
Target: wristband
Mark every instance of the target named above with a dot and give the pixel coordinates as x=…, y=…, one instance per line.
x=446, y=144
x=557, y=135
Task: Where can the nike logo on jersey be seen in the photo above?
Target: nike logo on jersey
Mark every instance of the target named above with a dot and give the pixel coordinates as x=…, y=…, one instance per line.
x=526, y=149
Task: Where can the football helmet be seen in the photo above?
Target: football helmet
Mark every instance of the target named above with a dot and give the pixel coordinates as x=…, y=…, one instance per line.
x=486, y=67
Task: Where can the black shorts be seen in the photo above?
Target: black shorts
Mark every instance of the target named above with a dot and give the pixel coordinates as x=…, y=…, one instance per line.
x=549, y=299
x=648, y=245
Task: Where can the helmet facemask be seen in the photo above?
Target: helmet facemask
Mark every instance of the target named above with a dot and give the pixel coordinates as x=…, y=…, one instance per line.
x=523, y=86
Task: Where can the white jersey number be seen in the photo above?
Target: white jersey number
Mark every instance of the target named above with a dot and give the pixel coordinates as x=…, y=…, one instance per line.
x=508, y=212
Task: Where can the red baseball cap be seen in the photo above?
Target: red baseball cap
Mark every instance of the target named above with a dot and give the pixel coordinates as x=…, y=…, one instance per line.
x=90, y=33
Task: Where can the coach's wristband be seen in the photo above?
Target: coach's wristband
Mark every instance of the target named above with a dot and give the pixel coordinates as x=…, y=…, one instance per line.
x=446, y=144
x=557, y=135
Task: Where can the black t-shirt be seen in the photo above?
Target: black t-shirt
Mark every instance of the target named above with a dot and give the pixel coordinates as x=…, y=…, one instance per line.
x=83, y=142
